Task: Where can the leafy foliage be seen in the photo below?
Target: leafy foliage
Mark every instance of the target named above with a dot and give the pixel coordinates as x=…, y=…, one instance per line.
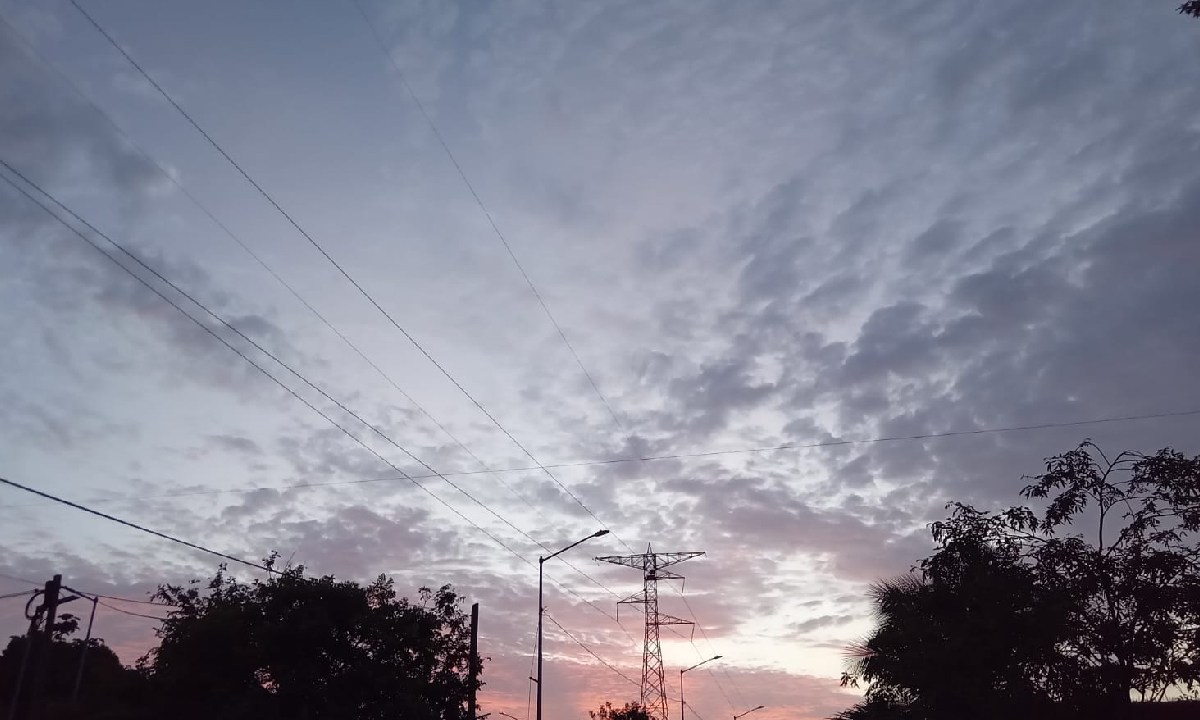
x=956, y=640
x=1076, y=607
x=293, y=647
x=312, y=648
x=1191, y=7
x=630, y=711
x=107, y=688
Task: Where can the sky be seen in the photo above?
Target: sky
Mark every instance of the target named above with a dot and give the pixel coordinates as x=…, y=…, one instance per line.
x=756, y=224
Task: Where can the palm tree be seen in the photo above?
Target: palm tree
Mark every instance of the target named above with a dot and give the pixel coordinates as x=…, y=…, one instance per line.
x=968, y=636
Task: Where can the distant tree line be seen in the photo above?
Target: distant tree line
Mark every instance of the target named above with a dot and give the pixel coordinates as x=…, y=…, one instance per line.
x=290, y=647
x=1074, y=610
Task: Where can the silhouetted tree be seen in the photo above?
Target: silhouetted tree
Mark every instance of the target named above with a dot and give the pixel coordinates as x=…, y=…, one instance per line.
x=1191, y=7
x=630, y=711
x=1015, y=607
x=107, y=690
x=960, y=639
x=310, y=648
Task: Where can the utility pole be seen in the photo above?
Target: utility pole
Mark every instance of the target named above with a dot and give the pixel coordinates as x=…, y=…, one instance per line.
x=45, y=642
x=473, y=661
x=652, y=565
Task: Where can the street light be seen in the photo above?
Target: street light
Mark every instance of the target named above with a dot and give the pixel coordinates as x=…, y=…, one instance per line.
x=681, y=672
x=542, y=611
x=760, y=707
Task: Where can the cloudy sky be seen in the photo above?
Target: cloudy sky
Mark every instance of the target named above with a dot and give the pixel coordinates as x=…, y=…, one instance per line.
x=757, y=224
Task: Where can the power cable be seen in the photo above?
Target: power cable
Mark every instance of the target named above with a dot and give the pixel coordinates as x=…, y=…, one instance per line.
x=529, y=694
x=23, y=593
x=533, y=288
x=676, y=456
x=486, y=213
x=129, y=612
x=412, y=340
x=32, y=52
x=704, y=634
x=867, y=441
x=135, y=526
x=591, y=652
x=27, y=581
x=303, y=379
x=262, y=370
x=118, y=598
x=97, y=598
x=211, y=332
x=503, y=241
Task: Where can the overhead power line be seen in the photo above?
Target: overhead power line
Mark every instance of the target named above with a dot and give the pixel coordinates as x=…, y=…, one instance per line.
x=590, y=651
x=866, y=441
x=208, y=329
x=292, y=221
x=379, y=41
x=23, y=593
x=704, y=634
x=486, y=213
x=32, y=52
x=97, y=598
x=27, y=581
x=118, y=598
x=655, y=458
x=135, y=526
x=374, y=429
x=130, y=612
x=265, y=372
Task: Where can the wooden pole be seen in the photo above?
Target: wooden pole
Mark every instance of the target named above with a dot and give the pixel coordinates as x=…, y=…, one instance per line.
x=473, y=662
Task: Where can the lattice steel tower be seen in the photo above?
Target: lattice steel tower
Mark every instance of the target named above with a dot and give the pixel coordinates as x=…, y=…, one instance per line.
x=652, y=564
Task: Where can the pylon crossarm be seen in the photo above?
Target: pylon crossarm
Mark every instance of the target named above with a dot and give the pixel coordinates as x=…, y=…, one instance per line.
x=662, y=560
x=638, y=598
x=633, y=561
x=664, y=619
x=666, y=575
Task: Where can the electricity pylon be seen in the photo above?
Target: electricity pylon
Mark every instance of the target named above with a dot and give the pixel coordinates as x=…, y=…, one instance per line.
x=652, y=564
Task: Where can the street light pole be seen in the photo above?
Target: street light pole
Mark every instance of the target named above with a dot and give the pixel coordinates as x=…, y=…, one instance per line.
x=760, y=707
x=542, y=610
x=681, y=672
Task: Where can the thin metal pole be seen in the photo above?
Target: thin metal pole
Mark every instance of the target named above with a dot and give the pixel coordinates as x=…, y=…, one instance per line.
x=681, y=703
x=472, y=662
x=87, y=641
x=541, y=611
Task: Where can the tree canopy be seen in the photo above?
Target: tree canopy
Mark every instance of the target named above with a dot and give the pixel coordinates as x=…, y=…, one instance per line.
x=290, y=646
x=630, y=711
x=1077, y=606
x=106, y=687
x=301, y=647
